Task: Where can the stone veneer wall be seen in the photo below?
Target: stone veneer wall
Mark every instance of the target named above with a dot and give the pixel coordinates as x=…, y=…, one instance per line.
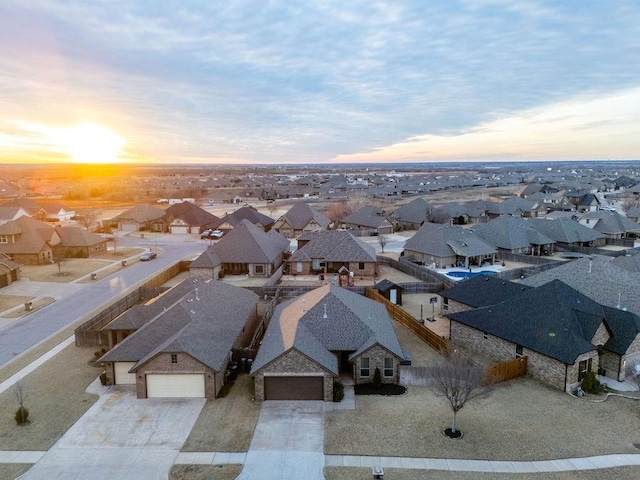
x=205, y=274
x=601, y=336
x=376, y=355
x=294, y=364
x=454, y=307
x=430, y=259
x=539, y=366
x=161, y=364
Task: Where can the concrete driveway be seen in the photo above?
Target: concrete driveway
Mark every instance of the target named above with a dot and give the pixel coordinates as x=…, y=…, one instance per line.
x=287, y=443
x=120, y=438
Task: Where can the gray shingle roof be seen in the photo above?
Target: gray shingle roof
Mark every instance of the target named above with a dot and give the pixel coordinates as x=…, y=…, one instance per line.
x=414, y=212
x=141, y=214
x=333, y=246
x=31, y=236
x=483, y=290
x=204, y=323
x=510, y=233
x=327, y=319
x=564, y=230
x=247, y=243
x=445, y=240
x=190, y=214
x=246, y=213
x=301, y=214
x=367, y=216
x=71, y=236
x=553, y=319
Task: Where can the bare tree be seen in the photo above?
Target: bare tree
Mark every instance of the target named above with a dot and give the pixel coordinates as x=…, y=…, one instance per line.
x=383, y=239
x=438, y=215
x=337, y=211
x=88, y=218
x=59, y=258
x=629, y=203
x=459, y=380
x=357, y=201
x=22, y=414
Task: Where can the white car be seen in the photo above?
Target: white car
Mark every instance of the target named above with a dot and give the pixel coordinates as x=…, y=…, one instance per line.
x=216, y=234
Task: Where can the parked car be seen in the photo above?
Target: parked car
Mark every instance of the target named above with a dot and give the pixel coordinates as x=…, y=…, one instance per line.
x=206, y=234
x=146, y=256
x=216, y=234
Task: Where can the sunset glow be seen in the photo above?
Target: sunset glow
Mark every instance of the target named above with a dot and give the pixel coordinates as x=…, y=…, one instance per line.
x=91, y=143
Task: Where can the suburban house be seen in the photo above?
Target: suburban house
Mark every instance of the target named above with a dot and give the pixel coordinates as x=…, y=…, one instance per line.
x=43, y=211
x=448, y=245
x=140, y=217
x=477, y=292
x=184, y=218
x=412, y=215
x=231, y=220
x=610, y=224
x=567, y=233
x=28, y=241
x=79, y=243
x=314, y=339
x=563, y=333
x=245, y=250
x=370, y=220
x=630, y=263
x=329, y=251
x=514, y=235
x=586, y=203
x=8, y=214
x=633, y=214
x=9, y=271
x=517, y=207
x=180, y=344
x=299, y=219
x=459, y=214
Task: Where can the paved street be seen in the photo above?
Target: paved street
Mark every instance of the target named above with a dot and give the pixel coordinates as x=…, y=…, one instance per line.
x=76, y=300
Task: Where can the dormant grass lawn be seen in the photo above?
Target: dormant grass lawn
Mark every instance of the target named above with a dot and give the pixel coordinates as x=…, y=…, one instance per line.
x=204, y=472
x=10, y=301
x=56, y=398
x=226, y=424
x=70, y=270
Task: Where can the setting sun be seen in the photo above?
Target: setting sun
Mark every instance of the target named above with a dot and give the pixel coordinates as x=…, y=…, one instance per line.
x=91, y=143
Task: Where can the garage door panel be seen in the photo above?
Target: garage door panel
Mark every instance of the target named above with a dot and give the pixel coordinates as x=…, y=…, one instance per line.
x=294, y=388
x=179, y=229
x=123, y=377
x=175, y=386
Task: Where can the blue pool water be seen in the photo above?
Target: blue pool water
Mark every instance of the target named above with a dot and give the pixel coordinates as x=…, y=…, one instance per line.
x=469, y=275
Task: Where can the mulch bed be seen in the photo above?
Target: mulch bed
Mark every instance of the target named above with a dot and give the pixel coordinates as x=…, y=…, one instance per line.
x=384, y=389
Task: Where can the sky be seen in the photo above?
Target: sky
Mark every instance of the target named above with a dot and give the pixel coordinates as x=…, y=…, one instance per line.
x=277, y=82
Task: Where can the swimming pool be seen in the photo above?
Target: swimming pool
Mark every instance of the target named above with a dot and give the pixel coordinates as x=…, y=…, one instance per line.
x=461, y=275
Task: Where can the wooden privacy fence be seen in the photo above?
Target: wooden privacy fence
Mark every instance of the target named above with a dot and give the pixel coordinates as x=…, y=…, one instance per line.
x=503, y=371
x=397, y=313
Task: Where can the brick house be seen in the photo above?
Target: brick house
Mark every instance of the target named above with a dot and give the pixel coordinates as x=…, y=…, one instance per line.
x=180, y=344
x=563, y=333
x=246, y=249
x=327, y=251
x=79, y=243
x=28, y=241
x=314, y=339
x=299, y=219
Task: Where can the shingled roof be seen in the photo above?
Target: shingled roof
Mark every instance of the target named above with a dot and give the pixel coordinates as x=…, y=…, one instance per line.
x=141, y=214
x=415, y=211
x=446, y=240
x=484, y=290
x=247, y=243
x=301, y=214
x=510, y=233
x=205, y=322
x=554, y=320
x=325, y=320
x=245, y=213
x=71, y=236
x=190, y=214
x=366, y=216
x=333, y=246
x=31, y=236
x=564, y=230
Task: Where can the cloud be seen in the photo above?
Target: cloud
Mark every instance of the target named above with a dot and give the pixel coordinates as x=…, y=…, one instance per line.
x=284, y=81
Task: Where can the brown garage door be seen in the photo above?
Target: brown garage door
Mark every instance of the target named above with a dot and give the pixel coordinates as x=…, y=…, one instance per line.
x=293, y=388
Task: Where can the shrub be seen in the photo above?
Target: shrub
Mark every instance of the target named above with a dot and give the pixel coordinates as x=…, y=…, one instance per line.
x=22, y=416
x=377, y=378
x=338, y=391
x=103, y=378
x=590, y=384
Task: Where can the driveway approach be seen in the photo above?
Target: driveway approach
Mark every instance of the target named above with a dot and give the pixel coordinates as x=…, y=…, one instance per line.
x=120, y=438
x=287, y=443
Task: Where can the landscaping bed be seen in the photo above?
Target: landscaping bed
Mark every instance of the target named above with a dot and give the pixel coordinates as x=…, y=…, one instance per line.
x=384, y=389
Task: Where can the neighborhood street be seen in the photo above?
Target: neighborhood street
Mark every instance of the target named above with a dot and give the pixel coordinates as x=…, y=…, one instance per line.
x=27, y=332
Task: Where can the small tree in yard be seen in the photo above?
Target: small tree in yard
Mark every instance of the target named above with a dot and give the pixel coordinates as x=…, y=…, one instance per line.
x=22, y=414
x=459, y=380
x=382, y=240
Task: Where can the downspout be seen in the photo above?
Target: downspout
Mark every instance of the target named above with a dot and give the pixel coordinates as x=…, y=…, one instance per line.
x=566, y=368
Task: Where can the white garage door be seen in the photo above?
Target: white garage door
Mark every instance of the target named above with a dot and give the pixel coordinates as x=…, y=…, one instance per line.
x=175, y=385
x=129, y=227
x=123, y=377
x=179, y=229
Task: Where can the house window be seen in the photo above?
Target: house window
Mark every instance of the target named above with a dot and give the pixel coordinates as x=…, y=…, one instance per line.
x=258, y=269
x=299, y=267
x=317, y=264
x=519, y=350
x=584, y=367
x=4, y=239
x=365, y=371
x=174, y=358
x=361, y=266
x=388, y=367
x=445, y=304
